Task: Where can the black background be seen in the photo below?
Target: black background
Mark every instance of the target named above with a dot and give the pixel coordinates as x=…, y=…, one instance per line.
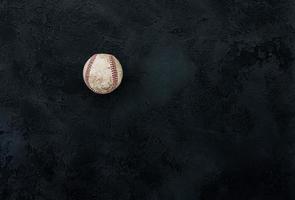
x=205, y=110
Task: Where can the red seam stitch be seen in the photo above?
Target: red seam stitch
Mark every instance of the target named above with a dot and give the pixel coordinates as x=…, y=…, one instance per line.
x=87, y=74
x=114, y=71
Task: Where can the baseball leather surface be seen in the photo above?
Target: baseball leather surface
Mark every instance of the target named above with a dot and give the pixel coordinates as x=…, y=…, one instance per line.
x=102, y=73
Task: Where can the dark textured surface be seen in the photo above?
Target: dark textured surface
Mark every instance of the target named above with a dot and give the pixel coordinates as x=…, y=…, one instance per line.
x=205, y=111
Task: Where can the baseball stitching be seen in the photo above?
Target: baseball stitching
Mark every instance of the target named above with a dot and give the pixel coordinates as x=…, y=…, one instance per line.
x=114, y=71
x=88, y=69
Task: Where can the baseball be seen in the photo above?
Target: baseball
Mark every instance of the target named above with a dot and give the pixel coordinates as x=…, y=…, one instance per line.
x=102, y=73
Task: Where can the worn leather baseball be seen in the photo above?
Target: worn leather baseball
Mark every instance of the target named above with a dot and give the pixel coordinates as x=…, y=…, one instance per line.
x=102, y=73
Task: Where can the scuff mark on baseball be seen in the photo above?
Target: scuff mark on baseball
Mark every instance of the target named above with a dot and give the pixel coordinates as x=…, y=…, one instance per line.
x=102, y=73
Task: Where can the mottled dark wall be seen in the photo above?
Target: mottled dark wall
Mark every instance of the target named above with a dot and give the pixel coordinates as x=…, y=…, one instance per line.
x=206, y=110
